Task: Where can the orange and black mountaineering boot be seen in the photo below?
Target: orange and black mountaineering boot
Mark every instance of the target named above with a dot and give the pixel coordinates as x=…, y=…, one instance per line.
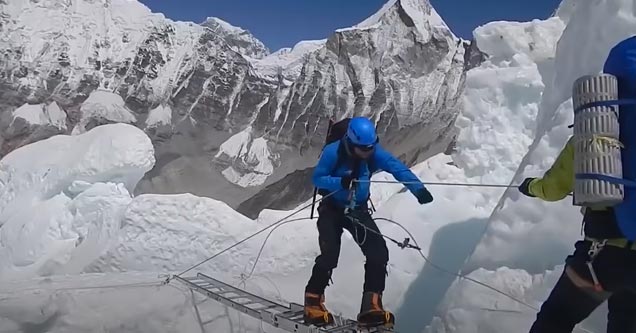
x=372, y=313
x=315, y=311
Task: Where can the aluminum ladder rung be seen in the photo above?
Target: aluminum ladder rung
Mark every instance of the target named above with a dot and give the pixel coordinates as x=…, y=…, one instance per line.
x=289, y=318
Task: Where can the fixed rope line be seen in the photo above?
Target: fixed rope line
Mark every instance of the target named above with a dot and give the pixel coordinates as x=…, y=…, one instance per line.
x=441, y=269
x=435, y=183
x=94, y=287
x=252, y=236
x=325, y=197
x=402, y=245
x=260, y=252
x=438, y=184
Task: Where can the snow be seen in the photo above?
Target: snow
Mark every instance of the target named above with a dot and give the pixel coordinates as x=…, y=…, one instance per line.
x=424, y=16
x=32, y=113
x=250, y=151
x=476, y=309
x=554, y=115
x=60, y=210
x=239, y=39
x=288, y=61
x=166, y=233
x=42, y=114
x=56, y=116
x=95, y=226
x=88, y=32
x=71, y=211
x=501, y=98
x=117, y=303
x=237, y=144
x=519, y=42
x=104, y=105
x=529, y=237
x=161, y=115
x=225, y=25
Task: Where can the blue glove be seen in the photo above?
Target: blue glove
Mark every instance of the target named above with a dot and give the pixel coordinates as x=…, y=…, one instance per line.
x=525, y=187
x=424, y=196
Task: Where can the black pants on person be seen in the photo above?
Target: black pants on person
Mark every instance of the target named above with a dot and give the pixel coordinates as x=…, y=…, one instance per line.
x=331, y=223
x=568, y=304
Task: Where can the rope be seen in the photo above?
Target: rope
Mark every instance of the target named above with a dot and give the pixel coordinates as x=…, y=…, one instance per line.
x=260, y=252
x=441, y=269
x=404, y=244
x=325, y=197
x=435, y=183
x=112, y=286
x=251, y=236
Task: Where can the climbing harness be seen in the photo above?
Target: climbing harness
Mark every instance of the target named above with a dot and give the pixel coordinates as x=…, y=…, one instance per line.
x=595, y=249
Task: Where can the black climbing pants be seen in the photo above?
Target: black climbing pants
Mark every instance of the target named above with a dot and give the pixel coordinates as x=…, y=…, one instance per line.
x=569, y=304
x=331, y=223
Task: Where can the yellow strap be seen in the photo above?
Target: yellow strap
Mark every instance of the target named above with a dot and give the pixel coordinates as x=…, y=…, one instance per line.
x=600, y=141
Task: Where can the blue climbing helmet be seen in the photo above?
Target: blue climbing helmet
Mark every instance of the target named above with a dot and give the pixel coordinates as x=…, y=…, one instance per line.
x=361, y=133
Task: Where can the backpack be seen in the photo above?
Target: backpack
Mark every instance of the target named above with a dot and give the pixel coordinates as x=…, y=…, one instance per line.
x=336, y=131
x=621, y=62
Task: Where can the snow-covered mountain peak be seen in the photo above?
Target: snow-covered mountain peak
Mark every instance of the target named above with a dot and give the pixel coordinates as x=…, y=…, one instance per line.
x=213, y=21
x=239, y=39
x=417, y=13
x=288, y=61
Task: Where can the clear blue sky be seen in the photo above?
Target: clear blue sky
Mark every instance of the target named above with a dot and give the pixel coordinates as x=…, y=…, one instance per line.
x=282, y=23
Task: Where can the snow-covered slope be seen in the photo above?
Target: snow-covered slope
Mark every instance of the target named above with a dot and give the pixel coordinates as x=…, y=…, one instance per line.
x=41, y=114
x=62, y=199
x=529, y=236
x=288, y=61
x=103, y=107
x=240, y=40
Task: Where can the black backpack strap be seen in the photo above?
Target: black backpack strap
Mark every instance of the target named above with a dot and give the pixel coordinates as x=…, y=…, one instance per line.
x=316, y=191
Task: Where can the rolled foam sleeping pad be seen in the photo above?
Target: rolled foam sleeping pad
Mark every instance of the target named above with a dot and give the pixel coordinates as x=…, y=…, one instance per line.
x=596, y=135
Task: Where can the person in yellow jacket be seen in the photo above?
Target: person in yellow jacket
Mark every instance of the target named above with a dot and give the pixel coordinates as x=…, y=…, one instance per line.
x=602, y=267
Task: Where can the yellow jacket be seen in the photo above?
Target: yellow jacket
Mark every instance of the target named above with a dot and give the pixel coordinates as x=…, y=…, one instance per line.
x=557, y=182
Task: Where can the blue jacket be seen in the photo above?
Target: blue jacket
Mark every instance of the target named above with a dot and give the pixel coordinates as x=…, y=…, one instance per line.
x=326, y=178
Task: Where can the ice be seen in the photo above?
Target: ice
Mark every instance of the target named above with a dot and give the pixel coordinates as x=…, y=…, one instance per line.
x=32, y=113
x=524, y=234
x=62, y=199
x=161, y=115
x=103, y=105
x=166, y=233
x=42, y=114
x=251, y=151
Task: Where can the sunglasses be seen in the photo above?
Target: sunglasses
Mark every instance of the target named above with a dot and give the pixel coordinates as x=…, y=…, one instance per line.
x=365, y=148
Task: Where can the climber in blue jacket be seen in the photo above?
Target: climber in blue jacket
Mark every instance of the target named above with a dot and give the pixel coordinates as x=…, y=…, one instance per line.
x=344, y=171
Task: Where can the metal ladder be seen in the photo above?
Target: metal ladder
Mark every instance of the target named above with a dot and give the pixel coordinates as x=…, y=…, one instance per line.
x=288, y=318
